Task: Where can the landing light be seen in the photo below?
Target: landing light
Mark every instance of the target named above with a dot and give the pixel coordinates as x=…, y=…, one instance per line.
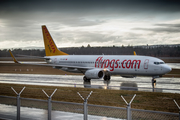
x=105, y=87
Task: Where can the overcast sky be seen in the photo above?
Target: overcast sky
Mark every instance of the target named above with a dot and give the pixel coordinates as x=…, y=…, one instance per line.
x=73, y=23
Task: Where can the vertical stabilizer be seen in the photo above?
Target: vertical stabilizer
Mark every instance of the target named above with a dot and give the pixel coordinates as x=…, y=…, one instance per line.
x=13, y=57
x=50, y=46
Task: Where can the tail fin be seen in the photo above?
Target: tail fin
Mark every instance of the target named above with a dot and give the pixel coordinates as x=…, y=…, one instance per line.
x=50, y=47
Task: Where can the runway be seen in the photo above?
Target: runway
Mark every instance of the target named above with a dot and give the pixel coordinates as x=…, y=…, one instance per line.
x=167, y=85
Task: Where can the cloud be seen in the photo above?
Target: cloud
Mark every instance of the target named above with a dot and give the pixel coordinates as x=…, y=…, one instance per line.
x=103, y=22
x=159, y=30
x=79, y=22
x=168, y=25
x=167, y=28
x=85, y=36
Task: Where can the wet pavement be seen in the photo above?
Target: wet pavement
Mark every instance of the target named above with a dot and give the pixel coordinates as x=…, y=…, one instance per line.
x=8, y=112
x=169, y=85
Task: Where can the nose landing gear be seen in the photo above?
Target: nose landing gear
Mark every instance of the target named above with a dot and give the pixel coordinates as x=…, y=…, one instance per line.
x=153, y=84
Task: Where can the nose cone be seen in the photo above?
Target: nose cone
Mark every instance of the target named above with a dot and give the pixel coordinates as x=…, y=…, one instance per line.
x=167, y=69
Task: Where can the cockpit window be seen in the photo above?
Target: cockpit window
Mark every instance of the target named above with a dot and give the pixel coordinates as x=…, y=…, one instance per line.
x=157, y=63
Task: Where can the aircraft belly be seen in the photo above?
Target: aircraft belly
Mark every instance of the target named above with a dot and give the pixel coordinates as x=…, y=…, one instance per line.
x=74, y=70
x=124, y=72
x=134, y=72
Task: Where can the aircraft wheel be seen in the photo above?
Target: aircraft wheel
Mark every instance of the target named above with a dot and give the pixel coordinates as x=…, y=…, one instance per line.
x=154, y=81
x=153, y=84
x=86, y=79
x=107, y=79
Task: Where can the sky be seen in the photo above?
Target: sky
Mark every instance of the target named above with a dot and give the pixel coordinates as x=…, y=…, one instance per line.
x=76, y=23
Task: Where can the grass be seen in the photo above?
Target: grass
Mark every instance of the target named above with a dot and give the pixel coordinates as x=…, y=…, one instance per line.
x=143, y=100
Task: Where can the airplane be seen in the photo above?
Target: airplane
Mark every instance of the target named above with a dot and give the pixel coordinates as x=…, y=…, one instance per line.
x=100, y=66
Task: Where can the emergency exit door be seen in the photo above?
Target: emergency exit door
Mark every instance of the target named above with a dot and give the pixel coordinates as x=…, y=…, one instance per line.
x=146, y=64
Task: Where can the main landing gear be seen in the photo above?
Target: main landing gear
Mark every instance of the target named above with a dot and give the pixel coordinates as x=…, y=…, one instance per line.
x=86, y=79
x=87, y=82
x=106, y=78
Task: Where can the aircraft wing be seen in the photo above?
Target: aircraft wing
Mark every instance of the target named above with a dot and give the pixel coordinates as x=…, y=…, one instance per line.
x=27, y=56
x=50, y=65
x=55, y=65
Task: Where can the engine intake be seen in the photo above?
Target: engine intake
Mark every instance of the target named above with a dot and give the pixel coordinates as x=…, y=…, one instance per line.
x=94, y=74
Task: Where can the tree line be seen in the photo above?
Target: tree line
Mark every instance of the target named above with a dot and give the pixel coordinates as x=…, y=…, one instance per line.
x=162, y=51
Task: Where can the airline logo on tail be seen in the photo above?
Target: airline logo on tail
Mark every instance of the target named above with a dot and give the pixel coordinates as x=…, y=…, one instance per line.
x=50, y=46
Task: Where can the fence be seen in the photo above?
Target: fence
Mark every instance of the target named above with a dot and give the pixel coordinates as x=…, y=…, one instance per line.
x=86, y=110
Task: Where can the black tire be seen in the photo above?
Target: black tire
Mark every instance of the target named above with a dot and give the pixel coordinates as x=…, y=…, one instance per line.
x=85, y=79
x=107, y=77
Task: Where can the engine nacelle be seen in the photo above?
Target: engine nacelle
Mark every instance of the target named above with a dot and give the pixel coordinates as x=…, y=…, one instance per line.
x=94, y=74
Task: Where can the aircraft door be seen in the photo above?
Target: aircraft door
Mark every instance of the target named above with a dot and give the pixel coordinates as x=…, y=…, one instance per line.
x=55, y=60
x=146, y=64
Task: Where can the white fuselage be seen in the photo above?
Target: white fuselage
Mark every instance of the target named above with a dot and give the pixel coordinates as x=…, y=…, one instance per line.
x=115, y=64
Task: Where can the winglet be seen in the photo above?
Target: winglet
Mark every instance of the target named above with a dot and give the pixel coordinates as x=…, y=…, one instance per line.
x=135, y=53
x=13, y=57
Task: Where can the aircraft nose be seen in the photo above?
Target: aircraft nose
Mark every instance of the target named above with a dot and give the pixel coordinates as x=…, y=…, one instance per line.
x=167, y=69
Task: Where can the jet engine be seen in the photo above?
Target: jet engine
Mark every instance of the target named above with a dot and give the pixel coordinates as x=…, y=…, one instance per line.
x=94, y=74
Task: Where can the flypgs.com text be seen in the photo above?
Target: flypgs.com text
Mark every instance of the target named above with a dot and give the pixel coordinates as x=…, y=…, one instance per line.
x=115, y=63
